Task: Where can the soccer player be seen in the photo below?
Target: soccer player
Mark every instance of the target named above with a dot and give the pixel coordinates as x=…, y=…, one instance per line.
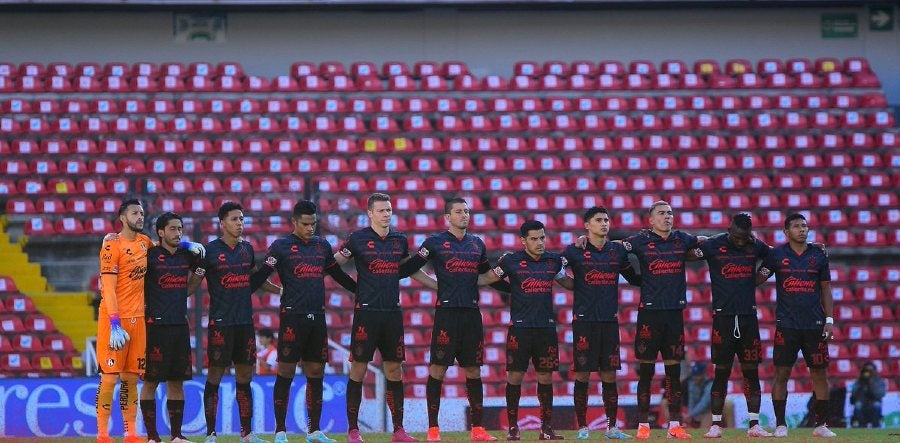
x=228, y=267
x=595, y=325
x=732, y=259
x=377, y=251
x=661, y=252
x=532, y=334
x=803, y=316
x=302, y=259
x=121, y=334
x=168, y=336
x=458, y=258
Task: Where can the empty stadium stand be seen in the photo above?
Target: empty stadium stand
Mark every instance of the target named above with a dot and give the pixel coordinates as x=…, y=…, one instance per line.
x=552, y=138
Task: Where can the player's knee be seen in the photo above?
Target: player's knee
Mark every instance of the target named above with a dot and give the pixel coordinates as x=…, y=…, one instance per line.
x=287, y=370
x=392, y=370
x=174, y=388
x=515, y=377
x=243, y=373
x=472, y=372
x=437, y=372
x=315, y=370
x=544, y=378
x=605, y=376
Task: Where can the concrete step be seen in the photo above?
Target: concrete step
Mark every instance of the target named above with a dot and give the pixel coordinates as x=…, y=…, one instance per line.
x=70, y=312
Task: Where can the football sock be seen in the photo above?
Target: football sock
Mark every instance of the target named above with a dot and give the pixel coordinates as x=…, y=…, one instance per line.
x=313, y=403
x=581, y=398
x=148, y=412
x=104, y=406
x=244, y=398
x=280, y=398
x=475, y=393
x=176, y=416
x=354, y=398
x=645, y=377
x=673, y=391
x=513, y=393
x=611, y=402
x=210, y=406
x=433, y=399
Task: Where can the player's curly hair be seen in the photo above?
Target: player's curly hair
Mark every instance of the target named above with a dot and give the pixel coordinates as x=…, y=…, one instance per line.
x=742, y=220
x=228, y=207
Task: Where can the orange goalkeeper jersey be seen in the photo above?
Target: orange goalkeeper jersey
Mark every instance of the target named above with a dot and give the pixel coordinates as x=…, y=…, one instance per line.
x=126, y=259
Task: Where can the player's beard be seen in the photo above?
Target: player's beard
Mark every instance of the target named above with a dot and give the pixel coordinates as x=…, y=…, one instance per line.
x=134, y=226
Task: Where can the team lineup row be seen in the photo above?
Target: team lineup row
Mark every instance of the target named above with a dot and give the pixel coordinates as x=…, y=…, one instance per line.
x=143, y=320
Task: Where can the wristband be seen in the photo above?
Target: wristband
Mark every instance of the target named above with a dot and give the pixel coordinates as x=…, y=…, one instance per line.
x=114, y=320
x=829, y=320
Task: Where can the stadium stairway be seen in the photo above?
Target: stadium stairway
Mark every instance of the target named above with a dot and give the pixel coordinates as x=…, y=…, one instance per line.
x=70, y=311
x=14, y=263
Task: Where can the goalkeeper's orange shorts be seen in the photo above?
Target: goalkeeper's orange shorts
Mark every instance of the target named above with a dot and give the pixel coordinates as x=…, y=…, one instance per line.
x=132, y=357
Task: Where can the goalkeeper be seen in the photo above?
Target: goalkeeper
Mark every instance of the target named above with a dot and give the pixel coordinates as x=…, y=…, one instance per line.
x=121, y=333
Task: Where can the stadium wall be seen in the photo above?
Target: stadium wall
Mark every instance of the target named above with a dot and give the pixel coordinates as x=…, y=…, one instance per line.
x=490, y=42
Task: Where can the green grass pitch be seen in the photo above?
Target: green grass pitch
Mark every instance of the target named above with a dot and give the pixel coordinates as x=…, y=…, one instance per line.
x=735, y=435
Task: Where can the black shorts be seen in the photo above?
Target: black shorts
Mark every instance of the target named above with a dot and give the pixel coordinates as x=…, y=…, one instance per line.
x=810, y=341
x=730, y=339
x=302, y=337
x=168, y=353
x=458, y=334
x=231, y=344
x=540, y=346
x=382, y=330
x=659, y=332
x=596, y=346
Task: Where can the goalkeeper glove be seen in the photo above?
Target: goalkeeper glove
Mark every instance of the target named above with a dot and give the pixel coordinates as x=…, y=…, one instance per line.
x=194, y=248
x=117, y=336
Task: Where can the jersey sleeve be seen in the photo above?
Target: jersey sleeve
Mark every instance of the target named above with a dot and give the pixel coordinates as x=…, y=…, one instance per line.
x=502, y=266
x=692, y=241
x=768, y=266
x=762, y=249
x=404, y=245
x=201, y=267
x=329, y=257
x=483, y=264
x=109, y=257
x=824, y=268
x=273, y=255
x=346, y=249
x=626, y=263
x=426, y=249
